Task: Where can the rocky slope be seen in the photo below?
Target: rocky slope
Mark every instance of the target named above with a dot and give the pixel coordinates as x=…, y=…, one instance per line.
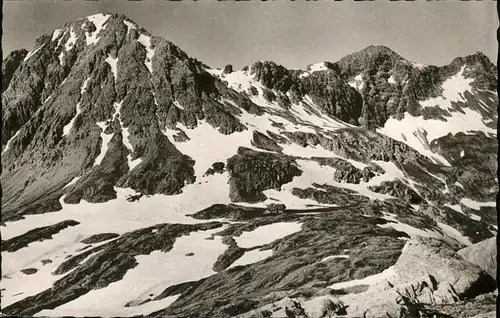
x=138, y=181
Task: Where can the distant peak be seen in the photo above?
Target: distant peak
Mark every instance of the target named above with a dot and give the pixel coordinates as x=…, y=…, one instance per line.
x=379, y=50
x=108, y=16
x=111, y=19
x=472, y=59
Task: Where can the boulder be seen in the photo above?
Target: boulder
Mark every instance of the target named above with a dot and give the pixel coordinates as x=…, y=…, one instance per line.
x=483, y=254
x=426, y=256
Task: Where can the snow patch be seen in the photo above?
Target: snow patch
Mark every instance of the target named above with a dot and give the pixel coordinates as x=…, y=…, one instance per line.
x=329, y=258
x=391, y=80
x=357, y=82
x=126, y=137
x=129, y=25
x=318, y=67
x=98, y=20
x=455, y=207
x=84, y=86
x=477, y=205
x=203, y=150
x=432, y=129
x=453, y=233
x=7, y=146
x=56, y=34
x=150, y=51
x=115, y=216
x=420, y=66
x=105, y=138
x=387, y=274
x=462, y=153
x=33, y=52
x=458, y=184
x=447, y=233
x=313, y=172
x=113, y=62
x=251, y=257
x=121, y=216
x=61, y=57
x=72, y=182
x=131, y=163
x=67, y=128
x=70, y=125
x=267, y=234
x=71, y=40
x=242, y=81
x=304, y=74
x=176, y=103
x=453, y=90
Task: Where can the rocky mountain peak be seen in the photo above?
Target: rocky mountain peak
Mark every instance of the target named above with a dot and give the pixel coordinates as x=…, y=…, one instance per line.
x=378, y=50
x=372, y=58
x=478, y=58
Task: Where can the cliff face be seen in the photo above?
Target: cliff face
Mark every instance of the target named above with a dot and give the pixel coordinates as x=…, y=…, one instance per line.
x=134, y=173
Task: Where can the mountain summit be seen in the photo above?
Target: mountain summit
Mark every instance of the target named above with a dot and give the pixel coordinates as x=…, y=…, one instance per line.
x=139, y=181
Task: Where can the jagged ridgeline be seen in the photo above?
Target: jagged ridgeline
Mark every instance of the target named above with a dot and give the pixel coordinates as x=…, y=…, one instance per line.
x=139, y=181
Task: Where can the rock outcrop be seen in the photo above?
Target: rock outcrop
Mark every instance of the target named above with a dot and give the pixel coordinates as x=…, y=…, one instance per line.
x=251, y=172
x=483, y=254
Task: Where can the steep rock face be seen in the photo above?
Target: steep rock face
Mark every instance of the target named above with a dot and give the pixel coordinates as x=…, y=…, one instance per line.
x=264, y=142
x=474, y=158
x=391, y=85
x=10, y=65
x=483, y=254
x=115, y=137
x=327, y=89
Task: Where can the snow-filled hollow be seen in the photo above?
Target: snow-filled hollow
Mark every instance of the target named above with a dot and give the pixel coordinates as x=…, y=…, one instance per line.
x=413, y=128
x=318, y=67
x=105, y=139
x=67, y=128
x=99, y=21
x=70, y=43
x=452, y=91
x=150, y=51
x=113, y=63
